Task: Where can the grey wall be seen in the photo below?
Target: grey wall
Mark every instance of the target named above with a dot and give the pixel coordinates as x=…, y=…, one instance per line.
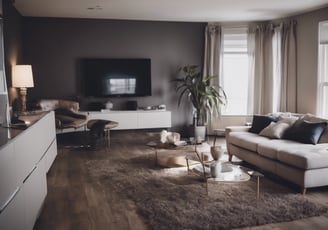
x=12, y=27
x=54, y=46
x=307, y=59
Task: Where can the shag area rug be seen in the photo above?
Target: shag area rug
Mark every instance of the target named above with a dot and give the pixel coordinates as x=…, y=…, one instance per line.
x=172, y=199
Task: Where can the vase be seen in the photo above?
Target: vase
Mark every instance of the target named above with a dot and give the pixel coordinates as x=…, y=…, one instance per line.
x=217, y=152
x=215, y=168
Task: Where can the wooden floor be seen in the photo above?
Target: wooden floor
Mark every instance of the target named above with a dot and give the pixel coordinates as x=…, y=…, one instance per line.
x=73, y=203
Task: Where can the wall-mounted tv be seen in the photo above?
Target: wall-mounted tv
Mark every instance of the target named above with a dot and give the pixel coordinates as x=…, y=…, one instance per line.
x=108, y=77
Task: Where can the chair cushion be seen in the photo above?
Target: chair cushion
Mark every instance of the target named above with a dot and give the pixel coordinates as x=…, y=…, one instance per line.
x=65, y=119
x=77, y=123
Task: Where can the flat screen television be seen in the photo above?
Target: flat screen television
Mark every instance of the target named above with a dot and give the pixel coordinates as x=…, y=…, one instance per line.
x=108, y=77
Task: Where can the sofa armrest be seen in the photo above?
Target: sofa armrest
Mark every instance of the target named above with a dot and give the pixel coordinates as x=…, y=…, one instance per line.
x=230, y=129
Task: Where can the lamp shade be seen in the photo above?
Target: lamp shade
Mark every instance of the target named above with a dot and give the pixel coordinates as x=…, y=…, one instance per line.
x=22, y=76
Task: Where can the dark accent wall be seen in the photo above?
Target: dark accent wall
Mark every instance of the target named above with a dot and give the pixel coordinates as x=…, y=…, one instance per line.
x=12, y=28
x=54, y=47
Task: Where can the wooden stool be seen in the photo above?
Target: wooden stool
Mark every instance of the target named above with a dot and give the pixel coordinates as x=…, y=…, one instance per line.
x=101, y=128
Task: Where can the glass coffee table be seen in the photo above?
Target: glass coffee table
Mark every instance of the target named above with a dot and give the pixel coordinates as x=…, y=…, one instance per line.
x=174, y=155
x=230, y=173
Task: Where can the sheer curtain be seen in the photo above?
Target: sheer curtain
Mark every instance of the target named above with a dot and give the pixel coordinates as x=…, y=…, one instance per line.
x=212, y=52
x=288, y=93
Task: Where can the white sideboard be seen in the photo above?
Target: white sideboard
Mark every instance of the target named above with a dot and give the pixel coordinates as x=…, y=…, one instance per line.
x=139, y=119
x=24, y=162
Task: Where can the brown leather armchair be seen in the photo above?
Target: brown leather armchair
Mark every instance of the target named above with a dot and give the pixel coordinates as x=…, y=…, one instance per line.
x=66, y=113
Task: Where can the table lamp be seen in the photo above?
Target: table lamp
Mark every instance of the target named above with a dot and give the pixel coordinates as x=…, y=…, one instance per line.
x=22, y=78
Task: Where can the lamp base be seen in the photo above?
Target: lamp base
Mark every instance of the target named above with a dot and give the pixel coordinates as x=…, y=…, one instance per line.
x=23, y=93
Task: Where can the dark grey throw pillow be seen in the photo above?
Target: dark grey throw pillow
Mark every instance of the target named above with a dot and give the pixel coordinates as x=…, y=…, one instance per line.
x=260, y=122
x=306, y=132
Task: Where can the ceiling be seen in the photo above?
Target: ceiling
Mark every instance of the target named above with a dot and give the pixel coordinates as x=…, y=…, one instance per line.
x=169, y=10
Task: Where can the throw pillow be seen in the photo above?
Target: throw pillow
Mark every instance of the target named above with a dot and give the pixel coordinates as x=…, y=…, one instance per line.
x=311, y=118
x=324, y=136
x=306, y=132
x=274, y=130
x=289, y=120
x=260, y=122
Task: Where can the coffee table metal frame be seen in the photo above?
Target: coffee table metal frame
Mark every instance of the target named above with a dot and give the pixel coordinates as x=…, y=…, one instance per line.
x=208, y=179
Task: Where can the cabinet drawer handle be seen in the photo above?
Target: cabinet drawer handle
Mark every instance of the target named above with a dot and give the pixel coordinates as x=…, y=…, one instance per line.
x=12, y=196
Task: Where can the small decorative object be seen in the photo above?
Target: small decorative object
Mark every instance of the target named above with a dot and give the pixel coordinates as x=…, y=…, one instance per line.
x=217, y=152
x=172, y=137
x=198, y=140
x=162, y=107
x=180, y=143
x=216, y=167
x=163, y=136
x=169, y=137
x=109, y=105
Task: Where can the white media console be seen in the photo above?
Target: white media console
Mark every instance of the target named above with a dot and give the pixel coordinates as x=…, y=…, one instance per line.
x=139, y=119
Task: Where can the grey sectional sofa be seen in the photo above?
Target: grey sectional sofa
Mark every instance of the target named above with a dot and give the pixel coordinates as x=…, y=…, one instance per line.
x=303, y=164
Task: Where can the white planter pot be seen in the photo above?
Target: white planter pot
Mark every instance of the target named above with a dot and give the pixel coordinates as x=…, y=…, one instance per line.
x=200, y=132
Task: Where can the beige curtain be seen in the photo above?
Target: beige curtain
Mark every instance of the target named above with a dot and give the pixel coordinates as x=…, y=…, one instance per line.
x=212, y=56
x=263, y=80
x=288, y=94
x=212, y=51
x=251, y=69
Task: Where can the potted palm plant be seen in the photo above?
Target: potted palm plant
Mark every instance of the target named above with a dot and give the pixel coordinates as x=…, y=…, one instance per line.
x=206, y=99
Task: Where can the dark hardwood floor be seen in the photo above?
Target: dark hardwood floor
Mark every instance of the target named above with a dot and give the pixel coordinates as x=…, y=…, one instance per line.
x=73, y=202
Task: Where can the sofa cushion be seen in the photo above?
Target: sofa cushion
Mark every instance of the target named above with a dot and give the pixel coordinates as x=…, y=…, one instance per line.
x=305, y=156
x=306, y=132
x=275, y=130
x=271, y=148
x=246, y=140
x=260, y=122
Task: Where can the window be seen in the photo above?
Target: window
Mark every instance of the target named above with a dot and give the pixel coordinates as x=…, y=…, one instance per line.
x=234, y=72
x=322, y=105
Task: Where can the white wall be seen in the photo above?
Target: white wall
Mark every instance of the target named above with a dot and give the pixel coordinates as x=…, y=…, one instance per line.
x=307, y=59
